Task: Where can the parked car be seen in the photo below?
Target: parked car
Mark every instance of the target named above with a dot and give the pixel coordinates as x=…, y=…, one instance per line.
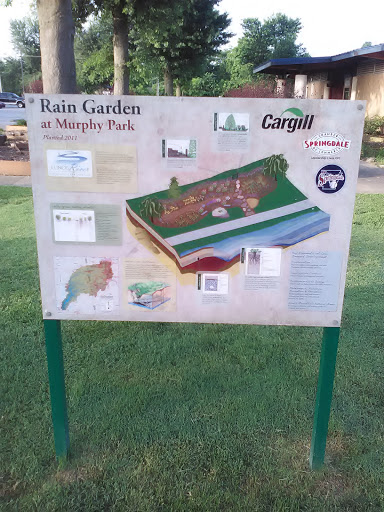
x=2, y=105
x=10, y=98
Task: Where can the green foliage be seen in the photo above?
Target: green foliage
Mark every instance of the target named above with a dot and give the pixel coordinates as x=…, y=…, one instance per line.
x=146, y=287
x=380, y=156
x=26, y=42
x=10, y=71
x=239, y=73
x=273, y=39
x=19, y=122
x=151, y=208
x=212, y=81
x=94, y=54
x=174, y=189
x=374, y=125
x=192, y=148
x=276, y=165
x=230, y=123
x=184, y=36
x=94, y=59
x=372, y=151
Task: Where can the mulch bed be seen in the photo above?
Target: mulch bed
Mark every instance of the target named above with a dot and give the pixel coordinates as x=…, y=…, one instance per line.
x=15, y=150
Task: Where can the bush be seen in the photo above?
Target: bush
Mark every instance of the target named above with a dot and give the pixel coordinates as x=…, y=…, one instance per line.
x=35, y=87
x=20, y=122
x=372, y=151
x=374, y=125
x=380, y=157
x=261, y=89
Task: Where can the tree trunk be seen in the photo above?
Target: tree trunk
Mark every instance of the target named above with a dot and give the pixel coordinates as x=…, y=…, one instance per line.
x=178, y=90
x=120, y=51
x=57, y=31
x=168, y=82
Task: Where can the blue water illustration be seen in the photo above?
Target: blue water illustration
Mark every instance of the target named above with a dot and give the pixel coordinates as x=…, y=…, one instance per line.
x=71, y=296
x=148, y=307
x=283, y=234
x=70, y=157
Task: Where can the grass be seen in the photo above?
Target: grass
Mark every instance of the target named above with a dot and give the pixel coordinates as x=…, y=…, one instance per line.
x=173, y=417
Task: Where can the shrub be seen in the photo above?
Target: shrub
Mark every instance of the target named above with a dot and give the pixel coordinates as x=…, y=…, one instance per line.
x=35, y=87
x=374, y=125
x=261, y=89
x=20, y=122
x=380, y=157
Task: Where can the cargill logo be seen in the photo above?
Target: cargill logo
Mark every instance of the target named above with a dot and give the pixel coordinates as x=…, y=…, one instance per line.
x=294, y=119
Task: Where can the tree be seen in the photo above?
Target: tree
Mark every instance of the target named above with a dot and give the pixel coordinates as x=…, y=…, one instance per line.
x=182, y=37
x=10, y=73
x=273, y=39
x=174, y=190
x=192, y=148
x=276, y=165
x=367, y=44
x=26, y=42
x=56, y=29
x=127, y=16
x=230, y=123
x=57, y=32
x=94, y=54
x=151, y=208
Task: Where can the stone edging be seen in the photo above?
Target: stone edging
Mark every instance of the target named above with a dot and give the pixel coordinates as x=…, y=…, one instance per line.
x=15, y=168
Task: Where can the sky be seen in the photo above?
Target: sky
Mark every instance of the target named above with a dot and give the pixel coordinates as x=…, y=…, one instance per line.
x=329, y=27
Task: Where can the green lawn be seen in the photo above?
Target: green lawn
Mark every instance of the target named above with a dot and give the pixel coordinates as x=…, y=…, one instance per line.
x=173, y=417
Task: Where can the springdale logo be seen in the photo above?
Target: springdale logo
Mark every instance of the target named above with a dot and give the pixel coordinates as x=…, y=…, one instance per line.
x=290, y=124
x=327, y=143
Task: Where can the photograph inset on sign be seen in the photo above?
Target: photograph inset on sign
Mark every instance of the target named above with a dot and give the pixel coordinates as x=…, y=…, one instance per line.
x=232, y=122
x=263, y=261
x=215, y=284
x=74, y=225
x=66, y=163
x=181, y=148
x=149, y=294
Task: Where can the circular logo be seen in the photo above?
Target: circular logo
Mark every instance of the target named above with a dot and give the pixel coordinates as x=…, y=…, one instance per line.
x=330, y=179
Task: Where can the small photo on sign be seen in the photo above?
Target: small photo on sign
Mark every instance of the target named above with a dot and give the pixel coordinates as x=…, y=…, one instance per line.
x=215, y=283
x=65, y=163
x=74, y=225
x=263, y=261
x=231, y=122
x=181, y=148
x=149, y=294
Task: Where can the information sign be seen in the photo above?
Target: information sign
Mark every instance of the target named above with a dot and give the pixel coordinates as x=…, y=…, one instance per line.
x=193, y=209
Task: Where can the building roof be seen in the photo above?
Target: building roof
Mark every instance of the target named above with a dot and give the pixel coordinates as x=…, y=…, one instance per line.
x=307, y=64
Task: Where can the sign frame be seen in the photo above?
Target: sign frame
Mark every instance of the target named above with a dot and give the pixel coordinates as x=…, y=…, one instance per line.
x=330, y=179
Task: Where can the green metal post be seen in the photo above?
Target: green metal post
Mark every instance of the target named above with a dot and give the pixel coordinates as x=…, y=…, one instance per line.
x=324, y=396
x=57, y=387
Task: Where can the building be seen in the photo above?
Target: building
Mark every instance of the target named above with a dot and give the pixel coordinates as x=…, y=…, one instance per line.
x=355, y=75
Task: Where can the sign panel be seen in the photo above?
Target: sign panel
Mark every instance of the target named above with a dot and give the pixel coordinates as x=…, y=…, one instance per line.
x=193, y=209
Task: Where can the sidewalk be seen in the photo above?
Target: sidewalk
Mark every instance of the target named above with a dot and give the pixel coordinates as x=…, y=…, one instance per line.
x=371, y=179
x=17, y=181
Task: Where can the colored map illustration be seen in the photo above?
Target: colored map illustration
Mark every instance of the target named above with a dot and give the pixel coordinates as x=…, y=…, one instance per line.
x=211, y=220
x=86, y=285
